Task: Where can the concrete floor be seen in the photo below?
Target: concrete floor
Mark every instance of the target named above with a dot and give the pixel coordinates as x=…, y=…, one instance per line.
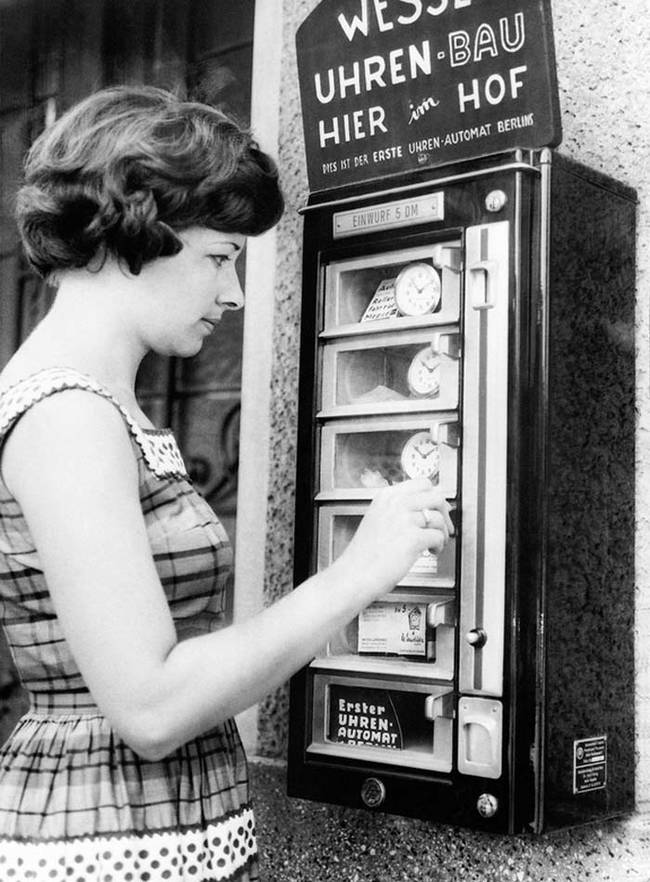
x=302, y=841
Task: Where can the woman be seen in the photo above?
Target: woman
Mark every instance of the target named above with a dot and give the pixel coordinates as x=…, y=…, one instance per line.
x=128, y=765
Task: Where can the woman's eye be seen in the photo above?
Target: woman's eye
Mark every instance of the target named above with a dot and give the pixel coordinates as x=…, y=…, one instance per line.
x=218, y=260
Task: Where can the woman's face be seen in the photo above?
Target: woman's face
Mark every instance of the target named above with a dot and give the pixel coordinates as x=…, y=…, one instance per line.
x=187, y=294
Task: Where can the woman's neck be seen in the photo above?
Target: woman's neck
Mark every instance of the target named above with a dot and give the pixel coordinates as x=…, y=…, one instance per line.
x=88, y=328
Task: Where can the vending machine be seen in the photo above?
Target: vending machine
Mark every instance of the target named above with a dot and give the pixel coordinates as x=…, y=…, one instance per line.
x=467, y=316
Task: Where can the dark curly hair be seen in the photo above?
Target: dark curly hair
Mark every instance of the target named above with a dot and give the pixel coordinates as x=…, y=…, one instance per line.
x=126, y=169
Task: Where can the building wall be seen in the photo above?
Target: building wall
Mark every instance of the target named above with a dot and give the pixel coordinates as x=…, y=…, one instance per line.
x=605, y=100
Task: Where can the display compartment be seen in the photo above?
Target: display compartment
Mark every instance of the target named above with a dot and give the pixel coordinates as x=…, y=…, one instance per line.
x=367, y=719
x=401, y=287
x=337, y=525
x=404, y=634
x=391, y=373
x=358, y=457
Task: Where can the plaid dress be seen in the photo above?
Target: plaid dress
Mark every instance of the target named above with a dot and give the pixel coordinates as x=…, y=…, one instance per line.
x=76, y=803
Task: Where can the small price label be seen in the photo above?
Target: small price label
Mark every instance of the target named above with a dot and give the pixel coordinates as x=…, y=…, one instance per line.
x=382, y=305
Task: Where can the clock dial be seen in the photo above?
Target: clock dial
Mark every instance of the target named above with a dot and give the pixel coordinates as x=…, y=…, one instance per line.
x=423, y=376
x=420, y=457
x=417, y=289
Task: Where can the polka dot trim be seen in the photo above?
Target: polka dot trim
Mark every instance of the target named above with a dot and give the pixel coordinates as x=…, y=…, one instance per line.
x=214, y=854
x=158, y=447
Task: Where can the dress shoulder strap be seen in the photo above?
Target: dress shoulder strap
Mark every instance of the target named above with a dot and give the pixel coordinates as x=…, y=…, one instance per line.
x=158, y=446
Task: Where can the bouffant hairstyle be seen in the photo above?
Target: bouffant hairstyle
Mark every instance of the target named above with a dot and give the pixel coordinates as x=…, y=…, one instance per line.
x=126, y=169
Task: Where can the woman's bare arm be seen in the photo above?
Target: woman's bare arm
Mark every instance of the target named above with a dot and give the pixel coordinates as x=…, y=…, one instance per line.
x=70, y=464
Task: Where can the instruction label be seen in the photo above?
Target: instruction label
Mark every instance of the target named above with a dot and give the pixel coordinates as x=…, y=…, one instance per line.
x=590, y=764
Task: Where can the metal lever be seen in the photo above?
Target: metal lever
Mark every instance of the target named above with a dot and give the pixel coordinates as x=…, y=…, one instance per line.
x=447, y=257
x=446, y=433
x=438, y=706
x=451, y=346
x=489, y=271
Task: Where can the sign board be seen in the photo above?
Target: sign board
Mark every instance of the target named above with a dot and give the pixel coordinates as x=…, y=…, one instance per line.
x=393, y=86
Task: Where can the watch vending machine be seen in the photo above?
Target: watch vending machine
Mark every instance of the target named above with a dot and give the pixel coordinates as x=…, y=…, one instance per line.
x=474, y=325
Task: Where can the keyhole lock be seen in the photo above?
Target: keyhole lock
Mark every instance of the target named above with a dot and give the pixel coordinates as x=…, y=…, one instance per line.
x=373, y=792
x=487, y=805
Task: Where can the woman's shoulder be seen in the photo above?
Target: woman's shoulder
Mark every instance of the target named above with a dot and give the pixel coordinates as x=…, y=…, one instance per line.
x=19, y=392
x=19, y=395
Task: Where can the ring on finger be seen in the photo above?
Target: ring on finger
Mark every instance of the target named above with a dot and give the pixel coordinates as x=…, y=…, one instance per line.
x=427, y=514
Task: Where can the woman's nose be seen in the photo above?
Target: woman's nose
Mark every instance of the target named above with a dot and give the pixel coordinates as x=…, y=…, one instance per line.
x=231, y=295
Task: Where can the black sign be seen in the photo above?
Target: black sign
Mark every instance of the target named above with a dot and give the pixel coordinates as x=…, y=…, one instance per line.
x=365, y=717
x=389, y=86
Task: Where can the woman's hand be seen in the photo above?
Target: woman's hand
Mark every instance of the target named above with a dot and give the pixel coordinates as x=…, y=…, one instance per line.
x=402, y=521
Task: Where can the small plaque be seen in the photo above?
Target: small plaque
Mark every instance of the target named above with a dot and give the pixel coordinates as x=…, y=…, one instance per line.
x=389, y=215
x=590, y=764
x=393, y=629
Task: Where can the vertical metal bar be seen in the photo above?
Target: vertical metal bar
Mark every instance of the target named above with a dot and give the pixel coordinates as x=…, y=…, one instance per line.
x=481, y=525
x=543, y=320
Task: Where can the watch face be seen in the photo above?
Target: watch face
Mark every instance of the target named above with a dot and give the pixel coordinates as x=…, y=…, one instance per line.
x=417, y=289
x=421, y=457
x=423, y=375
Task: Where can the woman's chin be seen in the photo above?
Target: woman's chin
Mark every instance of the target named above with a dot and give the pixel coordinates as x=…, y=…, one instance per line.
x=187, y=349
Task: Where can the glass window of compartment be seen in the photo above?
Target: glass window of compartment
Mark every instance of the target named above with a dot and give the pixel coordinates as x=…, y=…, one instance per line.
x=358, y=457
x=368, y=719
x=416, y=370
x=337, y=525
x=414, y=285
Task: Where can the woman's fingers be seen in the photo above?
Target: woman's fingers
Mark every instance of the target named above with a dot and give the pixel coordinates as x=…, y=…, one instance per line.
x=431, y=500
x=433, y=519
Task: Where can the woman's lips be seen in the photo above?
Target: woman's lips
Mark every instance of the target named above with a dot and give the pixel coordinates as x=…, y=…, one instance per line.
x=210, y=324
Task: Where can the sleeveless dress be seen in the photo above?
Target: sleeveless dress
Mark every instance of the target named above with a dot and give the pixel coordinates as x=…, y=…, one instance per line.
x=76, y=803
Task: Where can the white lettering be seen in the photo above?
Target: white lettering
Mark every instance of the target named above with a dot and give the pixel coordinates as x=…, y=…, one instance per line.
x=485, y=42
x=501, y=89
x=417, y=12
x=394, y=60
x=325, y=99
x=350, y=126
x=376, y=115
x=495, y=89
x=380, y=5
x=459, y=51
x=360, y=23
x=375, y=76
x=354, y=80
x=473, y=97
x=357, y=24
x=420, y=60
x=509, y=43
x=515, y=84
x=516, y=122
x=324, y=135
x=357, y=119
x=424, y=145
